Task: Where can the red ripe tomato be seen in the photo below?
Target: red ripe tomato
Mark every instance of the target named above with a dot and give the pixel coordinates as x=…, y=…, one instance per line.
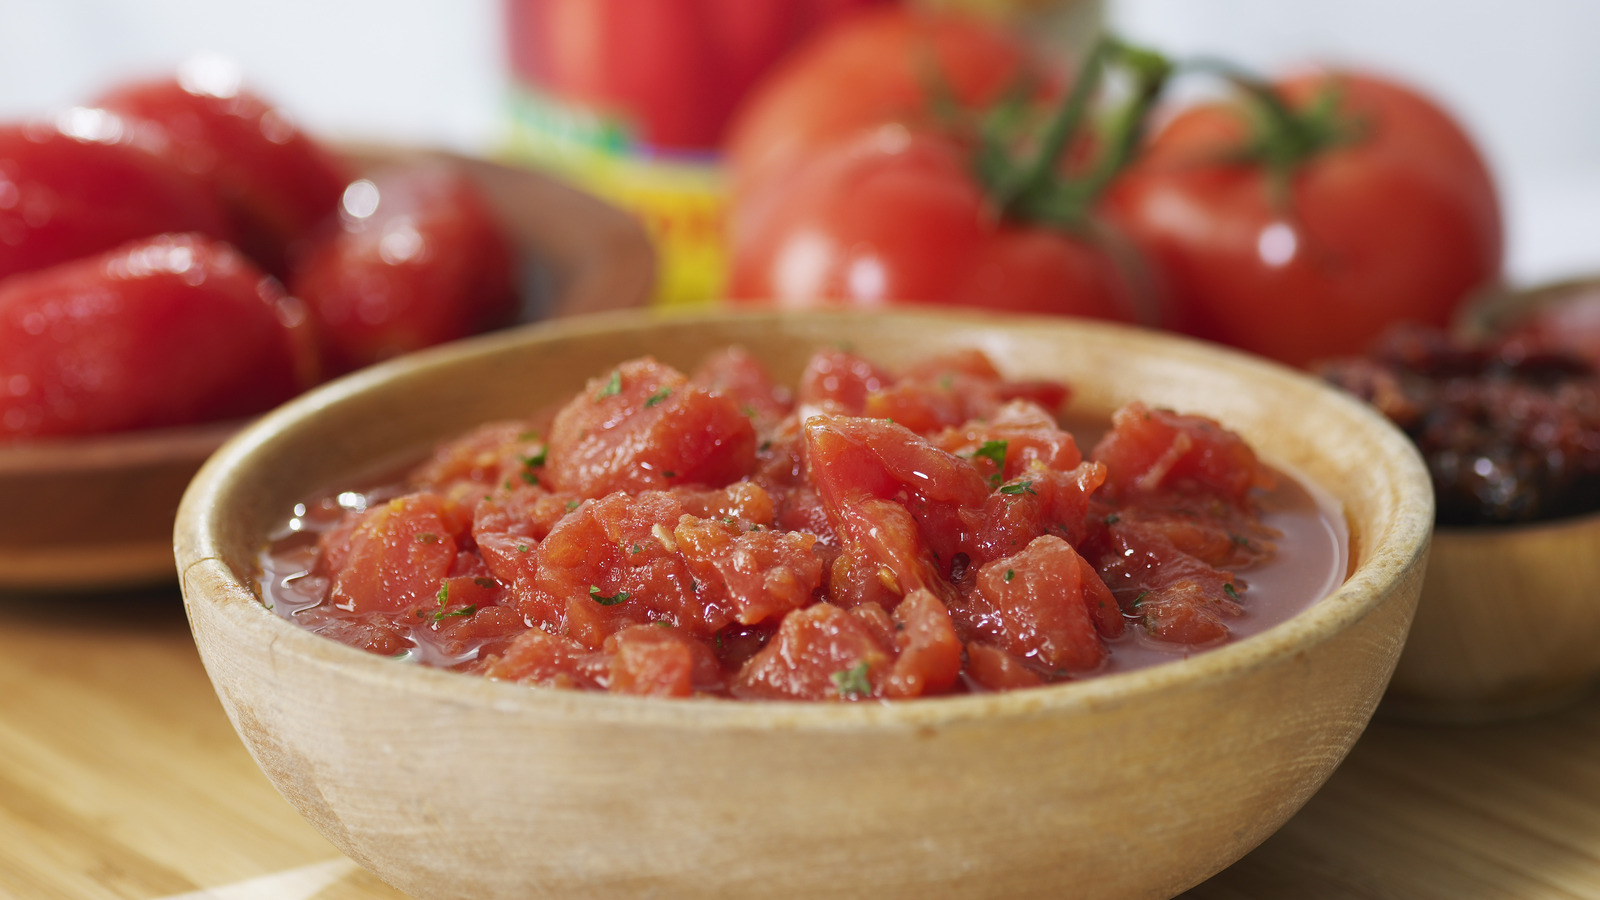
x=672, y=71
x=86, y=183
x=896, y=217
x=170, y=330
x=1396, y=221
x=866, y=70
x=414, y=259
x=276, y=181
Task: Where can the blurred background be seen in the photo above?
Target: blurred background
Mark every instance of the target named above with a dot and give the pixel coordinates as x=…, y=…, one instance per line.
x=1524, y=77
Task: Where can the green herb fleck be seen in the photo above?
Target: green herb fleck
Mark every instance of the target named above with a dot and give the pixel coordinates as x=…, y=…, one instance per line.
x=1113, y=519
x=1139, y=600
x=946, y=382
x=1010, y=574
x=463, y=612
x=427, y=537
x=852, y=682
x=523, y=548
x=994, y=451
x=444, y=594
x=1021, y=487
x=484, y=582
x=748, y=410
x=636, y=549
x=613, y=387
x=537, y=459
x=658, y=396
x=603, y=600
x=765, y=446
x=530, y=478
x=1229, y=590
x=573, y=504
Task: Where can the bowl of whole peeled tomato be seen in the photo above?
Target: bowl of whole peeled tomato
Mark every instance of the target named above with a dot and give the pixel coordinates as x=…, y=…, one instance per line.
x=805, y=603
x=176, y=256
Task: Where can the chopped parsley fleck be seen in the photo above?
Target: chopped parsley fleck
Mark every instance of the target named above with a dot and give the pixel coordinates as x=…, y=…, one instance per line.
x=1139, y=600
x=528, y=436
x=636, y=549
x=523, y=548
x=603, y=600
x=463, y=612
x=444, y=594
x=427, y=537
x=765, y=446
x=573, y=504
x=1021, y=487
x=484, y=582
x=1113, y=519
x=658, y=396
x=537, y=459
x=1010, y=574
x=994, y=451
x=852, y=682
x=748, y=410
x=530, y=478
x=613, y=387
x=1229, y=589
x=729, y=520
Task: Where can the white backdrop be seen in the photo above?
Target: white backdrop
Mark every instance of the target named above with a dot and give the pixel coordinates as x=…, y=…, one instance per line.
x=1524, y=75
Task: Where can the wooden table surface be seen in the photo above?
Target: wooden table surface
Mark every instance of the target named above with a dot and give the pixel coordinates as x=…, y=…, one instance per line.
x=120, y=777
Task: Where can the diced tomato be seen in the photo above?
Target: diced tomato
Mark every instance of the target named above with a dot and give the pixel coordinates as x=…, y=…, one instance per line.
x=537, y=657
x=643, y=426
x=997, y=670
x=734, y=373
x=653, y=661
x=1035, y=605
x=762, y=574
x=821, y=652
x=1178, y=598
x=838, y=382
x=1150, y=450
x=373, y=632
x=397, y=557
x=929, y=660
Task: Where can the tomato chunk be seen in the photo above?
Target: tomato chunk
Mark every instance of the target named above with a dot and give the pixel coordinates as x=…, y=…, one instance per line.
x=643, y=426
x=821, y=652
x=1036, y=605
x=398, y=555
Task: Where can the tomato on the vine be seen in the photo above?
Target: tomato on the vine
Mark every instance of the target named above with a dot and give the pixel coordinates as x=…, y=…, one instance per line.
x=1355, y=203
x=897, y=217
x=888, y=65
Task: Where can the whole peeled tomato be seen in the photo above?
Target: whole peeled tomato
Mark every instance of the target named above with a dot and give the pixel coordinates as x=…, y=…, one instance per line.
x=897, y=217
x=169, y=330
x=88, y=181
x=1385, y=211
x=277, y=182
x=415, y=258
x=891, y=65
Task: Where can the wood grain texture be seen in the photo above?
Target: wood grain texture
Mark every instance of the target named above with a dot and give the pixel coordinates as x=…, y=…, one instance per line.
x=1130, y=786
x=122, y=779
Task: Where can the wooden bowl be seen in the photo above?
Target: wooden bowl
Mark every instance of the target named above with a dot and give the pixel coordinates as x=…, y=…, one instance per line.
x=96, y=512
x=1509, y=620
x=1132, y=785
x=1508, y=624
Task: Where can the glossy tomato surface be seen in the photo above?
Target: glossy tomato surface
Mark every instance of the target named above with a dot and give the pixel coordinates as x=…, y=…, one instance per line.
x=413, y=259
x=896, y=217
x=278, y=183
x=87, y=182
x=1398, y=222
x=671, y=70
x=892, y=65
x=168, y=330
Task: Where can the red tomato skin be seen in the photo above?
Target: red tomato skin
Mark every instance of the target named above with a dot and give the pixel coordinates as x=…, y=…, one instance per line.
x=65, y=196
x=895, y=217
x=864, y=71
x=277, y=182
x=166, y=331
x=1399, y=224
x=674, y=70
x=429, y=264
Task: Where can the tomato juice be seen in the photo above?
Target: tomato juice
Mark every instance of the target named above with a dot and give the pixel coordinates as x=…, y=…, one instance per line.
x=864, y=535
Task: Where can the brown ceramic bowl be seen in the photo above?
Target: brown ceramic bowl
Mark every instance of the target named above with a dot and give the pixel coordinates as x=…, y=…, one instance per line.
x=1132, y=785
x=96, y=512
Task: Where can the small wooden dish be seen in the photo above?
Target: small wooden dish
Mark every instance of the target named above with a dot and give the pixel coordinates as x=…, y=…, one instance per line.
x=1132, y=785
x=95, y=513
x=1509, y=620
